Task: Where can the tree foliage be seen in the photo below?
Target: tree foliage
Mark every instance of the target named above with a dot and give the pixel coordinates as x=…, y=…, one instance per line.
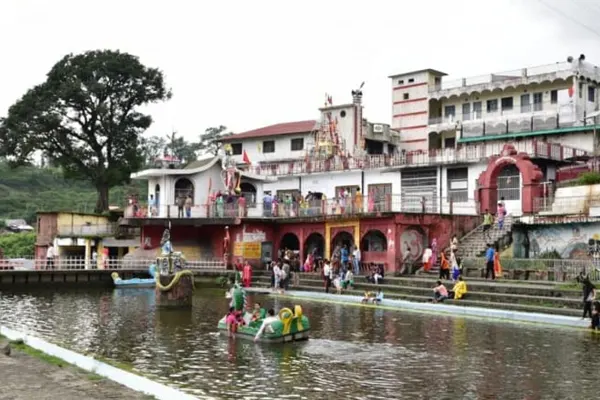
x=209, y=141
x=85, y=118
x=18, y=244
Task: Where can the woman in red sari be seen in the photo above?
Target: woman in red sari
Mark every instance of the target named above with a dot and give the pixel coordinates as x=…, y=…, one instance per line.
x=247, y=275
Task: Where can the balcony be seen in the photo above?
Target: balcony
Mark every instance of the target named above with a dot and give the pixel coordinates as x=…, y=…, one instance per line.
x=86, y=230
x=328, y=209
x=467, y=153
x=524, y=76
x=508, y=121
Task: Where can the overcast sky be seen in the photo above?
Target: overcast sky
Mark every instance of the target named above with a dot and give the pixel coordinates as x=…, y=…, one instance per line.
x=246, y=64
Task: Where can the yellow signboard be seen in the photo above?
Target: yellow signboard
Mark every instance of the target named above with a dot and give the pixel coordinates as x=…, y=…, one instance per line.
x=251, y=250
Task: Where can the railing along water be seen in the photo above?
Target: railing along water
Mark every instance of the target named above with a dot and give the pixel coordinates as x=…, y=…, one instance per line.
x=79, y=263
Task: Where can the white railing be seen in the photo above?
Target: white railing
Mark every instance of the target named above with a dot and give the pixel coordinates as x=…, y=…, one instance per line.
x=504, y=76
x=79, y=263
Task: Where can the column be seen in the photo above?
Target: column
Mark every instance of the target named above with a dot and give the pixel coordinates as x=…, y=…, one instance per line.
x=88, y=252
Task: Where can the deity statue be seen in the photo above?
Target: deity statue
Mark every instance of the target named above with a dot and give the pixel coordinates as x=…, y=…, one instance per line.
x=165, y=243
x=226, y=244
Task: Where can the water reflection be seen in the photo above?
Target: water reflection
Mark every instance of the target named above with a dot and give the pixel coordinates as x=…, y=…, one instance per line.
x=355, y=353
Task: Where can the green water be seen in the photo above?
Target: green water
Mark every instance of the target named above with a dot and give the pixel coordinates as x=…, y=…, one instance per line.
x=354, y=353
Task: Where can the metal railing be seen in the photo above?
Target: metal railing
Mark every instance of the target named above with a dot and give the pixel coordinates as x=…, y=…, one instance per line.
x=543, y=269
x=464, y=153
x=573, y=205
x=367, y=205
x=505, y=76
x=79, y=263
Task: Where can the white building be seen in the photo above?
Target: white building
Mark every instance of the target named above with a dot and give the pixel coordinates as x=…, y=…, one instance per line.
x=444, y=152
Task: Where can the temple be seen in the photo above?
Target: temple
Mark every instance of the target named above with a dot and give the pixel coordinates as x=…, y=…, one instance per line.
x=454, y=149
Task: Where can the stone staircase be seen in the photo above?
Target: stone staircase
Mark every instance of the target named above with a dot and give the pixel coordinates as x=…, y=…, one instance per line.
x=474, y=243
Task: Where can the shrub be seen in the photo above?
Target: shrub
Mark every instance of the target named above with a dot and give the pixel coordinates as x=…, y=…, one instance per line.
x=589, y=178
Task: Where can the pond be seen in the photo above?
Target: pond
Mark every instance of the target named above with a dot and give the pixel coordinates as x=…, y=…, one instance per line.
x=353, y=353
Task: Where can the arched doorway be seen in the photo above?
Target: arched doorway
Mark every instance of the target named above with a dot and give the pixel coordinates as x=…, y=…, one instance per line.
x=373, y=240
x=341, y=239
x=249, y=193
x=290, y=241
x=509, y=186
x=498, y=176
x=314, y=241
x=184, y=188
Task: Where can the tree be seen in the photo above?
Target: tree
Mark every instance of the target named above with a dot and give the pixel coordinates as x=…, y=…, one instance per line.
x=85, y=118
x=18, y=244
x=209, y=141
x=152, y=148
x=179, y=147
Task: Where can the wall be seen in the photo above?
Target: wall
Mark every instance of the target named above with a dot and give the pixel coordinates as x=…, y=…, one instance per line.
x=582, y=140
x=410, y=115
x=46, y=229
x=327, y=182
x=378, y=177
x=569, y=240
x=283, y=148
x=282, y=183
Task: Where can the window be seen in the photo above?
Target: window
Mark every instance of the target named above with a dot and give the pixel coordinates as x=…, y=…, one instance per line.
x=458, y=185
x=343, y=113
x=382, y=195
x=509, y=183
x=477, y=110
x=449, y=142
x=411, y=80
x=592, y=94
x=553, y=96
x=525, y=103
x=492, y=106
x=401, y=82
x=449, y=111
x=236, y=149
x=506, y=103
x=405, y=96
x=297, y=144
x=466, y=111
x=341, y=189
x=580, y=90
x=537, y=102
x=268, y=146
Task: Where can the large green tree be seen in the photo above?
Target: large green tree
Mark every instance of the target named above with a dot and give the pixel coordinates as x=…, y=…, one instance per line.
x=85, y=117
x=210, y=139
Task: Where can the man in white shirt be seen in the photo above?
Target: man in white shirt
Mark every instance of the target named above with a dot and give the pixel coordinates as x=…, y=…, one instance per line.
x=327, y=275
x=266, y=325
x=356, y=260
x=50, y=255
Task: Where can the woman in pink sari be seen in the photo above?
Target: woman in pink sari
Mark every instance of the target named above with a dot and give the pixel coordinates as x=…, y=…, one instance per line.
x=247, y=275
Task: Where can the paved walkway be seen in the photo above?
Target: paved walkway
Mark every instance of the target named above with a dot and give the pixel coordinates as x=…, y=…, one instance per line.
x=25, y=377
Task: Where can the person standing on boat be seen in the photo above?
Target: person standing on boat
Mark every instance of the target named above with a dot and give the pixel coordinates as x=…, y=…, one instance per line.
x=266, y=325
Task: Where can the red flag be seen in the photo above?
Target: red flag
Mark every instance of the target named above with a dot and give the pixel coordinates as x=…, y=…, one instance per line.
x=245, y=158
x=571, y=91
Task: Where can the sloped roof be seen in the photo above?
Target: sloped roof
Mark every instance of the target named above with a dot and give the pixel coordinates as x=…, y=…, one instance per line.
x=199, y=163
x=286, y=128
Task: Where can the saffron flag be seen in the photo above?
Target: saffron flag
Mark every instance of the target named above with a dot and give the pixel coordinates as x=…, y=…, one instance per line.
x=245, y=158
x=571, y=91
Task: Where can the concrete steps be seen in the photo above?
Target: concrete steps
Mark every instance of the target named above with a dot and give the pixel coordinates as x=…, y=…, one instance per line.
x=533, y=297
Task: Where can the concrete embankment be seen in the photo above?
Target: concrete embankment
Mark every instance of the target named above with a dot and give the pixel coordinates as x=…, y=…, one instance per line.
x=42, y=376
x=437, y=308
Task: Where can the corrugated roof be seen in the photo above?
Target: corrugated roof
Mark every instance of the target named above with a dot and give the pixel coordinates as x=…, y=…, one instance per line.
x=199, y=163
x=286, y=128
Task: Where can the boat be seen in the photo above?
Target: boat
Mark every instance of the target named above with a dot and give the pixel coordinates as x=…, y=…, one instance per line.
x=136, y=283
x=292, y=326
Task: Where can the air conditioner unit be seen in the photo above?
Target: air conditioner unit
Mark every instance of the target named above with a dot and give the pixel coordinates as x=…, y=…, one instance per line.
x=378, y=128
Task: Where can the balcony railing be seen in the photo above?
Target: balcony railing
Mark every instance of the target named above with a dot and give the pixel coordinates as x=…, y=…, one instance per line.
x=79, y=263
x=465, y=153
x=86, y=230
x=505, y=76
x=325, y=208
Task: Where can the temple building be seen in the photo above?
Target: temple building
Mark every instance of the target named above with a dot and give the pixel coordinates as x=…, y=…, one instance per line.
x=453, y=150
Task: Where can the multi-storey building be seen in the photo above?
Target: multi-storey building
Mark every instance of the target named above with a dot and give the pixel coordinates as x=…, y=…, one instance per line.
x=453, y=150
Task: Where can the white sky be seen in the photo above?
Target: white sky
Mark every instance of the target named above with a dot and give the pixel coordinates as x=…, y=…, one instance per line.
x=246, y=64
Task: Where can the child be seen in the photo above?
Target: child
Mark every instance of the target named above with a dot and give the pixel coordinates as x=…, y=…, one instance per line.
x=232, y=322
x=596, y=317
x=379, y=298
x=367, y=297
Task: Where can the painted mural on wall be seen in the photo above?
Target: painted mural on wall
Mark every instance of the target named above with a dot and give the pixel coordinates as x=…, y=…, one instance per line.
x=412, y=240
x=569, y=240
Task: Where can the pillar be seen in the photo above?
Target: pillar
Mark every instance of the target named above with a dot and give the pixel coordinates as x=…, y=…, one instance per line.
x=88, y=253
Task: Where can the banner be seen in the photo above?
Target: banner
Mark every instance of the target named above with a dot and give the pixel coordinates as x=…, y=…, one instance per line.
x=250, y=250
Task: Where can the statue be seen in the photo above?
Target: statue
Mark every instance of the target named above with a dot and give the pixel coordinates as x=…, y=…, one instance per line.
x=231, y=175
x=165, y=243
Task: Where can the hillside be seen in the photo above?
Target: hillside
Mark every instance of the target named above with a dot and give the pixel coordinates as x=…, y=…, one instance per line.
x=26, y=190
